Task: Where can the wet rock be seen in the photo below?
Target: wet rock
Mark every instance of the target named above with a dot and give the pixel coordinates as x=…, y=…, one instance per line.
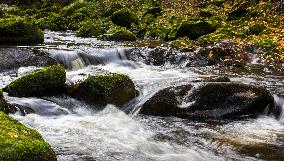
x=14, y=58
x=162, y=56
x=49, y=80
x=19, y=143
x=194, y=29
x=165, y=102
x=209, y=101
x=5, y=106
x=225, y=53
x=219, y=79
x=115, y=89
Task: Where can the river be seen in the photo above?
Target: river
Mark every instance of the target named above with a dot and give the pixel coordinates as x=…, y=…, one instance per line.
x=81, y=133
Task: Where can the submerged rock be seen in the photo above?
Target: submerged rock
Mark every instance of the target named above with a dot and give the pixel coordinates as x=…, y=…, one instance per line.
x=14, y=58
x=209, y=101
x=115, y=89
x=19, y=31
x=49, y=80
x=19, y=143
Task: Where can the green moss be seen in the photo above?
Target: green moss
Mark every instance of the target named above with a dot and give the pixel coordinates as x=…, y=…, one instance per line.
x=212, y=38
x=46, y=81
x=111, y=88
x=119, y=34
x=19, y=31
x=94, y=28
x=17, y=142
x=102, y=83
x=124, y=18
x=195, y=29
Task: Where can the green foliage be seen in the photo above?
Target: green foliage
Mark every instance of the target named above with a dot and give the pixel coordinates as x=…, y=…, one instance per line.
x=19, y=31
x=94, y=28
x=194, y=29
x=266, y=42
x=54, y=22
x=119, y=34
x=46, y=81
x=124, y=18
x=17, y=142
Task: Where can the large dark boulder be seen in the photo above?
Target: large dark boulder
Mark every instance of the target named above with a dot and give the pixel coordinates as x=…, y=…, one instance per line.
x=16, y=57
x=115, y=89
x=209, y=101
x=46, y=81
x=19, y=143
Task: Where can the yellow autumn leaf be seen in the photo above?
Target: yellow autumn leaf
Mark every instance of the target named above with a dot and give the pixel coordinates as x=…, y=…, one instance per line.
x=13, y=135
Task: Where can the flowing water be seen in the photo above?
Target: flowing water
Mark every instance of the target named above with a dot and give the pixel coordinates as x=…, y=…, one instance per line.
x=78, y=132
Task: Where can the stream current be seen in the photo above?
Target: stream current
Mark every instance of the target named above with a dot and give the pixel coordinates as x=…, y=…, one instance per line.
x=78, y=132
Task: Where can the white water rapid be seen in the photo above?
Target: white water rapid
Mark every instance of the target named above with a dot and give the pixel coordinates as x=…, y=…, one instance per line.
x=81, y=133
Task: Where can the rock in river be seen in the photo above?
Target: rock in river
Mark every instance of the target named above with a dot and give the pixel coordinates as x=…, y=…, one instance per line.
x=209, y=101
x=115, y=89
x=49, y=80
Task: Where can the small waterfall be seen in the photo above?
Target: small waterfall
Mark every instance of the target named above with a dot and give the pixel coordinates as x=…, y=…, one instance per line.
x=279, y=102
x=71, y=59
x=74, y=60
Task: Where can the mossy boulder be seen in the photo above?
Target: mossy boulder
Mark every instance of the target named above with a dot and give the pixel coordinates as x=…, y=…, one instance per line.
x=49, y=80
x=115, y=89
x=19, y=143
x=195, y=29
x=210, y=101
x=119, y=34
x=124, y=18
x=19, y=31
